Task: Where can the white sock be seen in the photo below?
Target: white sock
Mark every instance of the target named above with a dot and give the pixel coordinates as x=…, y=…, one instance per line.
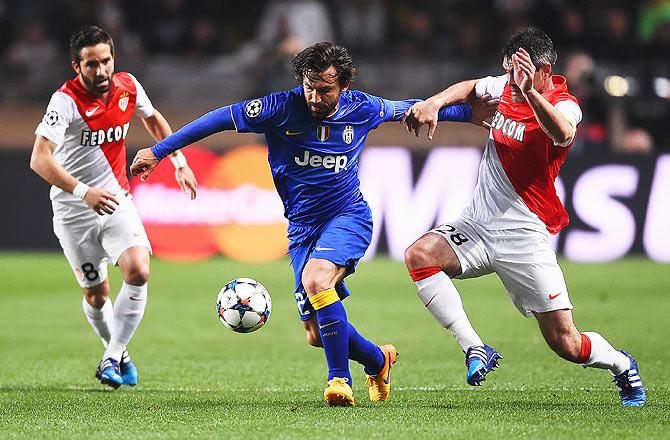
x=604, y=356
x=128, y=311
x=102, y=320
x=439, y=295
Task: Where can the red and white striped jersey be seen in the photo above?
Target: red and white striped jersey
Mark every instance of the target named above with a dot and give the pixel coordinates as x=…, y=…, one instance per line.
x=515, y=188
x=90, y=134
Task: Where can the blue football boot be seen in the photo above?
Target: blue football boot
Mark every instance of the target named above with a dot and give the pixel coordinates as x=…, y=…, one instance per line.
x=631, y=390
x=128, y=370
x=108, y=373
x=480, y=360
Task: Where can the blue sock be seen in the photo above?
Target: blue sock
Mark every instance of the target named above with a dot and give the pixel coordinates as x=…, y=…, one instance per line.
x=334, y=329
x=365, y=352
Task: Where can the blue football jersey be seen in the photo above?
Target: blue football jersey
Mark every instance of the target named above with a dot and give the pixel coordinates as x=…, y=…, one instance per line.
x=314, y=161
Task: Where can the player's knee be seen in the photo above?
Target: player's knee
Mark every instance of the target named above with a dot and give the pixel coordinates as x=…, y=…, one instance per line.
x=420, y=254
x=96, y=299
x=97, y=296
x=314, y=283
x=311, y=285
x=138, y=274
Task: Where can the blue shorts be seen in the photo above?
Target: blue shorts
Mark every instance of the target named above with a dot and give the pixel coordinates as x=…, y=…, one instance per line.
x=342, y=240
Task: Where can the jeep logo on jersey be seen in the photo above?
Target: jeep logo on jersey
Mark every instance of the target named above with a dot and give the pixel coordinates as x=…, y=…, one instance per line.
x=99, y=137
x=348, y=134
x=508, y=127
x=123, y=101
x=328, y=161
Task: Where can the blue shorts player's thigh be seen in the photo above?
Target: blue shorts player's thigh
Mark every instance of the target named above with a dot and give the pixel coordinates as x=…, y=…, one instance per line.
x=301, y=243
x=344, y=239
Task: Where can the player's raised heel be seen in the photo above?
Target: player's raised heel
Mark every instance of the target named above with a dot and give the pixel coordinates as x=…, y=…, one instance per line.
x=629, y=383
x=379, y=386
x=128, y=370
x=109, y=373
x=339, y=393
x=480, y=361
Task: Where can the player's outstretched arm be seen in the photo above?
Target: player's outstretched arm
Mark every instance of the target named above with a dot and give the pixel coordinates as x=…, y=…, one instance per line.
x=213, y=122
x=159, y=128
x=44, y=164
x=446, y=106
x=426, y=112
x=397, y=111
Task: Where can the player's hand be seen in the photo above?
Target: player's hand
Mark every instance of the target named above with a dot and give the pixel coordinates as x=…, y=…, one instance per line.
x=421, y=113
x=186, y=180
x=524, y=70
x=101, y=201
x=483, y=110
x=144, y=163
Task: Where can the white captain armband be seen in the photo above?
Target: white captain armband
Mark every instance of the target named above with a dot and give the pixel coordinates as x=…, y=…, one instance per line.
x=571, y=111
x=178, y=160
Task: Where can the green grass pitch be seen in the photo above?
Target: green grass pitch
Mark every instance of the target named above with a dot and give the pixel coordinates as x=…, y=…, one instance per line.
x=198, y=379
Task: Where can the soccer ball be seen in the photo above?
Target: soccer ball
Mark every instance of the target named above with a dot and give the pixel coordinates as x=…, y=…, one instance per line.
x=243, y=305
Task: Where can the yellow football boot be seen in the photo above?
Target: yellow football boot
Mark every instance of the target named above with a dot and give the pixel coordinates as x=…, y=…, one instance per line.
x=379, y=386
x=339, y=393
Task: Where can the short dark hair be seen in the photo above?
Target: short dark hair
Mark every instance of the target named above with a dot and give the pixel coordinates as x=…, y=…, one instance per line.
x=536, y=42
x=319, y=57
x=88, y=36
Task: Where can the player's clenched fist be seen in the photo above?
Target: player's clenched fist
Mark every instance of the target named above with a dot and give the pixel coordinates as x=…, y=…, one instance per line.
x=420, y=114
x=144, y=163
x=101, y=201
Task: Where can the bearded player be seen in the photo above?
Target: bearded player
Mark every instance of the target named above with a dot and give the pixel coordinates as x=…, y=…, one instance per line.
x=507, y=226
x=315, y=134
x=80, y=150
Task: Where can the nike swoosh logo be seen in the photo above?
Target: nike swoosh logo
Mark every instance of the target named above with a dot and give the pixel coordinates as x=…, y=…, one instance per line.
x=328, y=325
x=293, y=133
x=554, y=296
x=323, y=249
x=431, y=300
x=91, y=111
x=136, y=298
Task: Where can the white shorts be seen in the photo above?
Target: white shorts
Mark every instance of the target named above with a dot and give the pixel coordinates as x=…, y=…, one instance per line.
x=92, y=241
x=523, y=259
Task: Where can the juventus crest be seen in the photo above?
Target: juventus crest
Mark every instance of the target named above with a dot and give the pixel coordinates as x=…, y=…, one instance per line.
x=348, y=134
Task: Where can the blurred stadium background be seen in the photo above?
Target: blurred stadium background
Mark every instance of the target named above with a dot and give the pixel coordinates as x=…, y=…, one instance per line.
x=200, y=380
x=192, y=56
